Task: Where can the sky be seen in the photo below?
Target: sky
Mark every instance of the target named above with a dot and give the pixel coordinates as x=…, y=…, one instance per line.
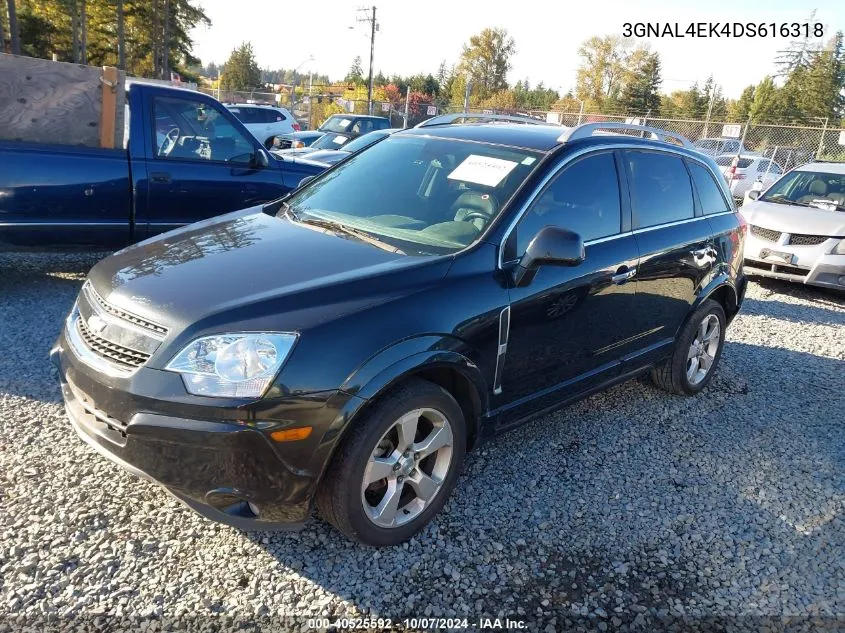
x=414, y=37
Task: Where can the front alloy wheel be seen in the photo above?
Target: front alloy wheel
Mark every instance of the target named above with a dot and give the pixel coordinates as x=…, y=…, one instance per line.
x=396, y=465
x=406, y=470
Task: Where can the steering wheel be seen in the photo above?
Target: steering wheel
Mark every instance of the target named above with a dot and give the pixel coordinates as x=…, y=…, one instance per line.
x=476, y=215
x=169, y=142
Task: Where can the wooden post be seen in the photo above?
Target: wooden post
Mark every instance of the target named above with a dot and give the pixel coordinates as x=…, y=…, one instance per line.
x=108, y=113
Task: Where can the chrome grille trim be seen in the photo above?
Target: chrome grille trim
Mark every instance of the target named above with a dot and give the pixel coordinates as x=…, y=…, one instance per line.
x=94, y=297
x=766, y=234
x=121, y=356
x=796, y=239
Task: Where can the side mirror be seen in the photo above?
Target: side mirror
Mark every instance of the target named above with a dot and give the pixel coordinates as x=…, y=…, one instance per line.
x=260, y=159
x=552, y=246
x=306, y=180
x=753, y=194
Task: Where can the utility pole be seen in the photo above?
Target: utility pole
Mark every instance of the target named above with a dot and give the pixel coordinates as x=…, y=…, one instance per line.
x=371, y=18
x=14, y=34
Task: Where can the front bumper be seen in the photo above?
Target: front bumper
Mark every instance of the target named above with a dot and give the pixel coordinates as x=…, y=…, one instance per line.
x=812, y=265
x=220, y=461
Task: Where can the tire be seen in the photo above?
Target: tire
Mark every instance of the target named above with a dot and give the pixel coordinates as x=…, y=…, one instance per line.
x=268, y=144
x=375, y=445
x=673, y=374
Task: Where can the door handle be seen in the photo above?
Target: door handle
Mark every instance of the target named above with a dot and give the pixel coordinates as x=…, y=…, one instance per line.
x=161, y=176
x=623, y=274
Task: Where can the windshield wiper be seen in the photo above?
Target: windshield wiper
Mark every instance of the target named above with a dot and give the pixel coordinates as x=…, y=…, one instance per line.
x=781, y=201
x=337, y=227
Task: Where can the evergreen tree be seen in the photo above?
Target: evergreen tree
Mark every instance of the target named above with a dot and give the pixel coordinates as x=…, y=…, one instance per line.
x=641, y=92
x=241, y=71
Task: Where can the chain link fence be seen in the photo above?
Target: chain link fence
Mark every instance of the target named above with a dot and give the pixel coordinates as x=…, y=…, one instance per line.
x=788, y=145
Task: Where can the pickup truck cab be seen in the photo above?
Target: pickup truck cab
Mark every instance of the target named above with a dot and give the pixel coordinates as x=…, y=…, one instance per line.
x=185, y=158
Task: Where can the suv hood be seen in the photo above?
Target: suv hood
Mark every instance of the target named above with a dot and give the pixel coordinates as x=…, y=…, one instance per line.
x=788, y=218
x=251, y=265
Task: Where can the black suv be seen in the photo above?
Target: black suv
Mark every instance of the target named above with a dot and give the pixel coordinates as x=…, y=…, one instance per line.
x=347, y=345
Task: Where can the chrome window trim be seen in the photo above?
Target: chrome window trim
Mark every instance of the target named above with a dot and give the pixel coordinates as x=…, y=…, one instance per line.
x=589, y=150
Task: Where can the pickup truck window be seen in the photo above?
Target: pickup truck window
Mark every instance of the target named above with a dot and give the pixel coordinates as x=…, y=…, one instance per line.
x=193, y=130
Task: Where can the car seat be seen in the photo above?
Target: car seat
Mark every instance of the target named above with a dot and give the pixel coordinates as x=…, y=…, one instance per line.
x=817, y=190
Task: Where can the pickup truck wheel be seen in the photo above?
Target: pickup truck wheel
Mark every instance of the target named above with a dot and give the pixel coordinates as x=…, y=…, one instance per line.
x=697, y=351
x=396, y=467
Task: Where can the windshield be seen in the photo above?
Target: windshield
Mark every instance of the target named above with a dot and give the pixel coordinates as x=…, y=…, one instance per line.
x=364, y=141
x=337, y=123
x=330, y=141
x=809, y=188
x=420, y=194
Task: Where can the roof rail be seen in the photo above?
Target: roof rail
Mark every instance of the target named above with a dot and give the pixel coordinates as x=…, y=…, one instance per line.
x=587, y=130
x=448, y=119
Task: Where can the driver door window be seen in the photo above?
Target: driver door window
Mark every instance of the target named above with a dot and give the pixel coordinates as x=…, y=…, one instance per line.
x=194, y=130
x=583, y=198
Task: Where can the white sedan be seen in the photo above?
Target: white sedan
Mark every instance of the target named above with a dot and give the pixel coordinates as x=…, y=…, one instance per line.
x=796, y=228
x=750, y=168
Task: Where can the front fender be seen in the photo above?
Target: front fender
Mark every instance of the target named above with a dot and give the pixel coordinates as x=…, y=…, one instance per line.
x=387, y=368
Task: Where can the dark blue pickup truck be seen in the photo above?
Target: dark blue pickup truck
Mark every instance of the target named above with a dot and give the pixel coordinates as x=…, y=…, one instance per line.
x=186, y=158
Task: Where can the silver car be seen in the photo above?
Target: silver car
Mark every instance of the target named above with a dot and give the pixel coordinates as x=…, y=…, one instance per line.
x=796, y=228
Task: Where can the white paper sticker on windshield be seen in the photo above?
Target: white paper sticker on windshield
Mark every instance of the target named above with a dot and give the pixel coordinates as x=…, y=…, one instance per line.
x=340, y=139
x=483, y=170
x=344, y=123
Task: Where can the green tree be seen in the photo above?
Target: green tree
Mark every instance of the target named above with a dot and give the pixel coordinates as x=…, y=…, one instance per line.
x=740, y=109
x=816, y=90
x=356, y=72
x=642, y=83
x=486, y=61
x=602, y=69
x=766, y=105
x=241, y=71
x=51, y=26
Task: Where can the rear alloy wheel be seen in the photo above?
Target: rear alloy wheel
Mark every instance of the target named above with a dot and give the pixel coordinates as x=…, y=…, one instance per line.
x=396, y=467
x=698, y=348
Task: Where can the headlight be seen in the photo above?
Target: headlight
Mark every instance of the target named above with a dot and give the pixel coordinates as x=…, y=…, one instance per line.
x=839, y=249
x=236, y=365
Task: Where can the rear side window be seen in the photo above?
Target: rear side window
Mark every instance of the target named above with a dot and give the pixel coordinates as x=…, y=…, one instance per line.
x=583, y=198
x=661, y=191
x=727, y=161
x=712, y=200
x=268, y=115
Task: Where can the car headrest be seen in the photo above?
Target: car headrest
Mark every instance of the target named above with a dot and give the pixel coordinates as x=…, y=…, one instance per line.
x=470, y=201
x=818, y=187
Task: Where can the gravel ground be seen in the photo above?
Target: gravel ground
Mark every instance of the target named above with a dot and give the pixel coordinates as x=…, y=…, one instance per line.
x=632, y=510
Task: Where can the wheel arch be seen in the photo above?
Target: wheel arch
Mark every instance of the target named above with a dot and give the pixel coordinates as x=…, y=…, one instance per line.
x=722, y=291
x=419, y=357
x=451, y=370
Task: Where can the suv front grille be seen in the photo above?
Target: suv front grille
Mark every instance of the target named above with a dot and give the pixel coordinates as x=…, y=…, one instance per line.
x=89, y=291
x=117, y=354
x=766, y=234
x=109, y=338
x=806, y=240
